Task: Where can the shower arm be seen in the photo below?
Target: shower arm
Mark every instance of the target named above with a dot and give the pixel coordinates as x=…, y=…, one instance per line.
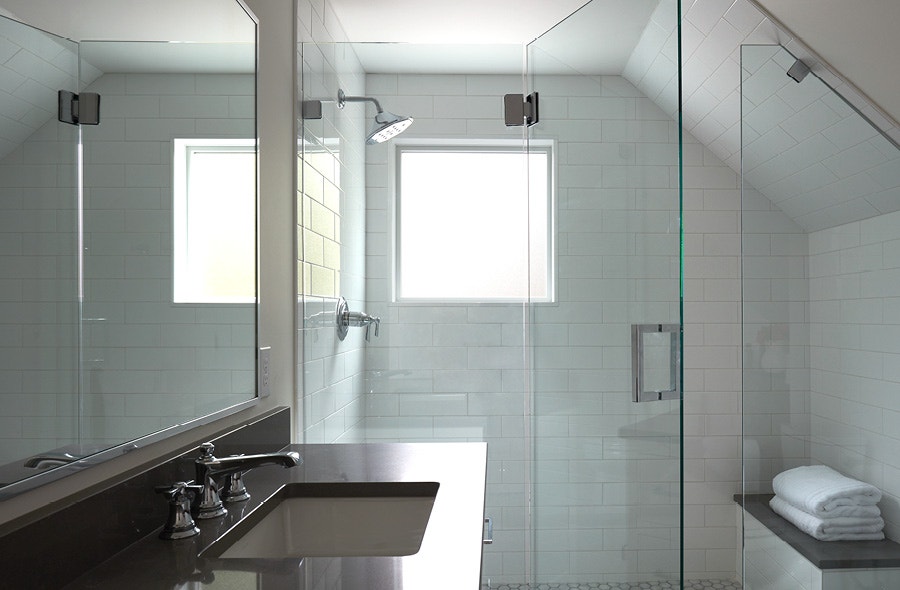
x=343, y=99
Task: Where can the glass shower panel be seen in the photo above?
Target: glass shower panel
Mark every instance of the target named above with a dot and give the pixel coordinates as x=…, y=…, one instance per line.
x=607, y=470
x=38, y=251
x=447, y=365
x=820, y=197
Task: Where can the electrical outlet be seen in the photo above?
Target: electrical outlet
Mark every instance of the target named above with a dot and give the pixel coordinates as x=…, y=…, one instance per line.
x=263, y=374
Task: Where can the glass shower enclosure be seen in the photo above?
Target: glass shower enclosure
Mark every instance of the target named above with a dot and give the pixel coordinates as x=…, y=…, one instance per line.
x=820, y=200
x=604, y=356
x=573, y=374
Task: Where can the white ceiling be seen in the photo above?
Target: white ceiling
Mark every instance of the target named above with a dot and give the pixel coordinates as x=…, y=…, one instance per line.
x=604, y=44
x=459, y=21
x=423, y=41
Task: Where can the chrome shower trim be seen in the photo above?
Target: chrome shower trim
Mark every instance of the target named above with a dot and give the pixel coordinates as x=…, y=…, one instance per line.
x=344, y=99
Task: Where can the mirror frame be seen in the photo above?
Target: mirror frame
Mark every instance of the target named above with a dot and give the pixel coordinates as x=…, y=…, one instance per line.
x=59, y=472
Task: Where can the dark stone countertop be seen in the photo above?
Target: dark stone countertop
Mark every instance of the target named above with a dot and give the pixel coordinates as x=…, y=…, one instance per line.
x=449, y=558
x=825, y=555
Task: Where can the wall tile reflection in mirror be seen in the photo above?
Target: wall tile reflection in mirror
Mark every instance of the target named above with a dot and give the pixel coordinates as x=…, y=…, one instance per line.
x=97, y=349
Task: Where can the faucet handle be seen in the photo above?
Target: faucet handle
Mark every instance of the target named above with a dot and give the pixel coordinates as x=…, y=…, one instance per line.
x=234, y=489
x=369, y=320
x=179, y=524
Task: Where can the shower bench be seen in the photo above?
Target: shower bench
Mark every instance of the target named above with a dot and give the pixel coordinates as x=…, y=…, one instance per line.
x=778, y=555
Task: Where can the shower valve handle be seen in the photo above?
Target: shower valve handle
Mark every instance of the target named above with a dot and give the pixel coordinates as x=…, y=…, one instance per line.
x=360, y=319
x=355, y=319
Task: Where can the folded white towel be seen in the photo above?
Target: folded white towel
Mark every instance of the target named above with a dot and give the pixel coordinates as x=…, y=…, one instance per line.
x=819, y=489
x=830, y=529
x=854, y=512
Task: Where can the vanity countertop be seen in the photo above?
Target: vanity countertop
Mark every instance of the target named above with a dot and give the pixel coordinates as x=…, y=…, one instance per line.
x=449, y=558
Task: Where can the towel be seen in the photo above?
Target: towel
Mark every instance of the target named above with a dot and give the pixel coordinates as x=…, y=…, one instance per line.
x=819, y=490
x=830, y=529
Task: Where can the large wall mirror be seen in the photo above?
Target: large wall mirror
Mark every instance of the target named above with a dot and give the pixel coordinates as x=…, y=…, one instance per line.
x=128, y=249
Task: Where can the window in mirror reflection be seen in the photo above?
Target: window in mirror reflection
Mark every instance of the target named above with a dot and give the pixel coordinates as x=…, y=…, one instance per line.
x=214, y=245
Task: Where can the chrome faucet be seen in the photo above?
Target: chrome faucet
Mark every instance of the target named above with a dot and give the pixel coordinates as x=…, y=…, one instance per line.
x=208, y=502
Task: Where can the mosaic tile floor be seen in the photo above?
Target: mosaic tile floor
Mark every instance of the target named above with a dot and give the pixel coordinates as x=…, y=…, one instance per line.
x=688, y=585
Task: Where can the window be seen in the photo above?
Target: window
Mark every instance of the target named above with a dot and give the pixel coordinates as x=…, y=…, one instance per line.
x=214, y=221
x=473, y=222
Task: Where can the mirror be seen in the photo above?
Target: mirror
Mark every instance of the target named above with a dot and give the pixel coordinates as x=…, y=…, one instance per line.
x=128, y=248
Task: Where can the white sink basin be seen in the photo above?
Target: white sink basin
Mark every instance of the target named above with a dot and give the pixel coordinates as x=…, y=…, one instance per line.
x=334, y=520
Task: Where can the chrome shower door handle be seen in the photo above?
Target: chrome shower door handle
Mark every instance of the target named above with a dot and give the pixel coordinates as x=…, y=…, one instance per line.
x=661, y=380
x=488, y=538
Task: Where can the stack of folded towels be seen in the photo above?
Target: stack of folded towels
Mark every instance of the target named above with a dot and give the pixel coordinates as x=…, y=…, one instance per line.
x=827, y=505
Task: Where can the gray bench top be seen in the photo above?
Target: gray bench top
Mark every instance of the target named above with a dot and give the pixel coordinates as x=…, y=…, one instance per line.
x=824, y=555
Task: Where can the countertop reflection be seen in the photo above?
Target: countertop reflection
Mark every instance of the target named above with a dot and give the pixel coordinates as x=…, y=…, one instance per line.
x=449, y=558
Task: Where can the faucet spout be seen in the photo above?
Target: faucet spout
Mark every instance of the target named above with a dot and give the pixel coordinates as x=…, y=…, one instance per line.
x=221, y=466
x=208, y=503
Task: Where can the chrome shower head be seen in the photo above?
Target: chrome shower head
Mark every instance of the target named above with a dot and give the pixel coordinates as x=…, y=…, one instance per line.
x=387, y=124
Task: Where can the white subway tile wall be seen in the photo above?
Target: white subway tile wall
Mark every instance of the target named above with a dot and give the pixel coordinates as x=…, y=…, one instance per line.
x=854, y=312
x=141, y=348
x=770, y=563
x=449, y=372
x=775, y=290
x=712, y=377
x=331, y=231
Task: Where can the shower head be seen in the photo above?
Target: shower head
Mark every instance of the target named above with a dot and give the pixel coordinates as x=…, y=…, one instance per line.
x=387, y=124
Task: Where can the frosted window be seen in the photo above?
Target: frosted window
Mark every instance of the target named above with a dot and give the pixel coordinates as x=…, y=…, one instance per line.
x=214, y=221
x=474, y=224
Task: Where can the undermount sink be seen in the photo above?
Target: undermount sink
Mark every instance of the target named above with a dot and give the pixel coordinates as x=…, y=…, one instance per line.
x=333, y=520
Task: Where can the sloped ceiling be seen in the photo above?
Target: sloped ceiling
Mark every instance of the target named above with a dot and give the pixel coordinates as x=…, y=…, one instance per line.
x=34, y=66
x=859, y=39
x=850, y=180
x=805, y=149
